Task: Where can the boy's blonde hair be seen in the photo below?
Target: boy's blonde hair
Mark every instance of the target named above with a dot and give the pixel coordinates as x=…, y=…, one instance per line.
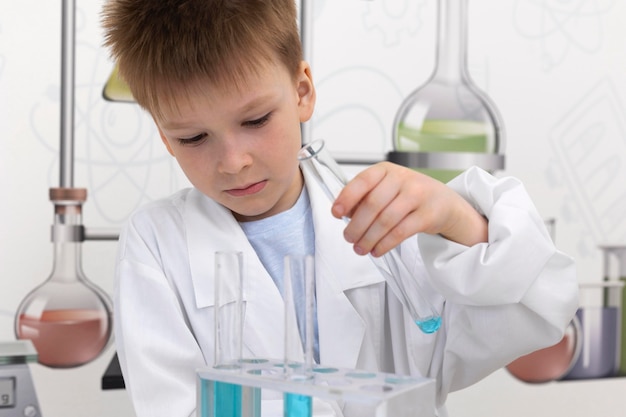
x=165, y=48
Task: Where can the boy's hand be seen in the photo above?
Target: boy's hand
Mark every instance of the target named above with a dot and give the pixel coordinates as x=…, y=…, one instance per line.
x=387, y=203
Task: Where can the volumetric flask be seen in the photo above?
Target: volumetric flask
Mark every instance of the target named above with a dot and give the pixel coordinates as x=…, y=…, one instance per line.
x=448, y=124
x=316, y=160
x=67, y=317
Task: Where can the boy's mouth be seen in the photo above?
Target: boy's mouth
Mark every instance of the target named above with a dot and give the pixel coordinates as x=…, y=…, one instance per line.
x=247, y=190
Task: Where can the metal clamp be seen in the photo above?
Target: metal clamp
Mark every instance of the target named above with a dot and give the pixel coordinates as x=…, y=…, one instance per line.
x=447, y=160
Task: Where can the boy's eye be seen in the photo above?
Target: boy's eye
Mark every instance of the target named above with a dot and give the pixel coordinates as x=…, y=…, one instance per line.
x=258, y=122
x=193, y=140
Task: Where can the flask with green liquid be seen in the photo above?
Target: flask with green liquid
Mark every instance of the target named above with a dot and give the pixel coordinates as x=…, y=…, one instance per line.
x=448, y=125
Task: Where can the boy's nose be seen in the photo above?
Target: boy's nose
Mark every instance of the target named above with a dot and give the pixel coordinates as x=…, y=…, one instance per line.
x=233, y=158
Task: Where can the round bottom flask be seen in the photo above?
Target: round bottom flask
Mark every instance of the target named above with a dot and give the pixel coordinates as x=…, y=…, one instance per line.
x=448, y=125
x=67, y=318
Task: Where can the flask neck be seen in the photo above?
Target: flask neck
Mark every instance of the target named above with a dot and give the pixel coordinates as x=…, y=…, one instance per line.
x=67, y=236
x=451, y=59
x=67, y=266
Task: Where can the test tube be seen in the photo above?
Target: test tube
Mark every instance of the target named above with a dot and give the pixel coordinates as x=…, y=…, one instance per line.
x=316, y=160
x=298, y=296
x=226, y=399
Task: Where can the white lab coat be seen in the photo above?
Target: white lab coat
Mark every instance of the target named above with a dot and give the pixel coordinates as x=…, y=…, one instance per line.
x=499, y=300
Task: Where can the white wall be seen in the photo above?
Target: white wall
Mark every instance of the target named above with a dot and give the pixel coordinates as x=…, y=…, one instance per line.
x=555, y=69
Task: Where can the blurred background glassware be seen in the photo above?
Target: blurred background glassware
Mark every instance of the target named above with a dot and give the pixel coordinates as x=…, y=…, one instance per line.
x=68, y=318
x=448, y=124
x=116, y=89
x=614, y=266
x=599, y=314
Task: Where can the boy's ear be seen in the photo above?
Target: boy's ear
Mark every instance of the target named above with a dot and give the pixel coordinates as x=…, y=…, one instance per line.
x=165, y=142
x=306, y=92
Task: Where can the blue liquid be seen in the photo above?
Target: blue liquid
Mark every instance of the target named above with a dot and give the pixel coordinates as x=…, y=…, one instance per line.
x=227, y=400
x=297, y=405
x=431, y=325
x=205, y=403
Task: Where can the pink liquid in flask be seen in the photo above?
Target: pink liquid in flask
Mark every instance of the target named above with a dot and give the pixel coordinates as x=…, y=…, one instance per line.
x=66, y=338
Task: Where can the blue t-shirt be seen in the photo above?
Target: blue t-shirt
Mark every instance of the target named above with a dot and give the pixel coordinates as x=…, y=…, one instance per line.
x=288, y=233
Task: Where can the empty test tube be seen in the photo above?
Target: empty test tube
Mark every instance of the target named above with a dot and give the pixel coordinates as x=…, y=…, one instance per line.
x=317, y=161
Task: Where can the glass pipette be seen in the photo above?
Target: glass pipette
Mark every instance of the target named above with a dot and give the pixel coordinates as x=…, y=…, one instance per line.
x=316, y=161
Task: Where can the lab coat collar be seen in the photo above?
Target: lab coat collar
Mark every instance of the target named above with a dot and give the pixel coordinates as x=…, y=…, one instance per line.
x=263, y=337
x=337, y=268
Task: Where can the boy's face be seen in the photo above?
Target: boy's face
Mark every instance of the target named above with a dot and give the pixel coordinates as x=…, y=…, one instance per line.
x=240, y=146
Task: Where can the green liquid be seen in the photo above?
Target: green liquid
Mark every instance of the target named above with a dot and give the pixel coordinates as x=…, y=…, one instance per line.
x=622, y=361
x=443, y=136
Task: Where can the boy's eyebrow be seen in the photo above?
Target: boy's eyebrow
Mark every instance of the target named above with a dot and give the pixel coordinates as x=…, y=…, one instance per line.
x=255, y=102
x=245, y=107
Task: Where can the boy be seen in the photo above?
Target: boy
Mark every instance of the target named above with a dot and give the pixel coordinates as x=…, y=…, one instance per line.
x=225, y=83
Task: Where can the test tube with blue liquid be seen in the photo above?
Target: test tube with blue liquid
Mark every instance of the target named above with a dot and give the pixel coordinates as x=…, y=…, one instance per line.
x=299, y=299
x=225, y=399
x=316, y=160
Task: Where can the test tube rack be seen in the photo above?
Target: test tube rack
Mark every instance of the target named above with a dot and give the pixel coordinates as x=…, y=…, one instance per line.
x=387, y=394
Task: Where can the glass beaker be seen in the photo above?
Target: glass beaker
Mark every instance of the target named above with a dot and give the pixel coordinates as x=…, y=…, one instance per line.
x=68, y=318
x=447, y=125
x=599, y=315
x=614, y=266
x=315, y=159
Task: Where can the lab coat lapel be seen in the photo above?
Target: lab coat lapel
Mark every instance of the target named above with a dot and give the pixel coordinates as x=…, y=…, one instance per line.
x=337, y=270
x=263, y=332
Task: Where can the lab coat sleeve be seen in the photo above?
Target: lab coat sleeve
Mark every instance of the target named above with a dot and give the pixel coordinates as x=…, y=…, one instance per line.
x=157, y=351
x=507, y=297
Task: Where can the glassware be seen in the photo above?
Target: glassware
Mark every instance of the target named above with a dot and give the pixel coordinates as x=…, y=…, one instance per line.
x=67, y=318
x=298, y=290
x=228, y=399
x=614, y=265
x=116, y=88
x=448, y=124
x=599, y=315
x=228, y=309
x=375, y=393
x=316, y=160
